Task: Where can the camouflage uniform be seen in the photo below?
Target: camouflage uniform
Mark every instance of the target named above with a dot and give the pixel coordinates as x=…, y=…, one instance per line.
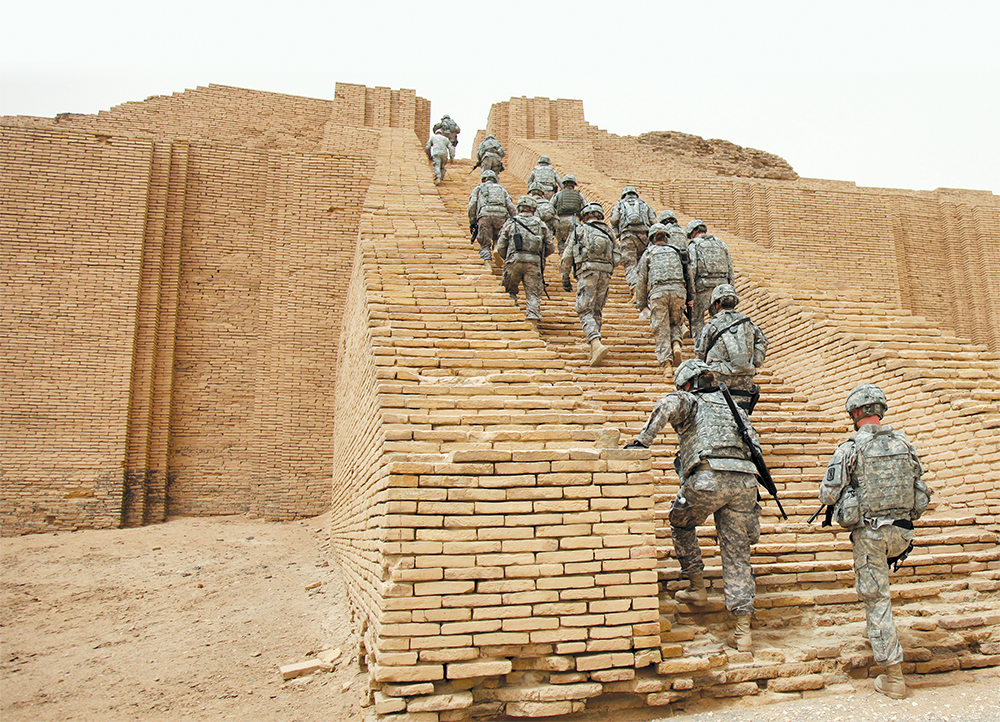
x=524, y=243
x=440, y=150
x=545, y=175
x=590, y=255
x=709, y=265
x=661, y=286
x=734, y=348
x=874, y=469
x=567, y=204
x=490, y=205
x=717, y=477
x=448, y=128
x=631, y=218
x=545, y=211
x=490, y=153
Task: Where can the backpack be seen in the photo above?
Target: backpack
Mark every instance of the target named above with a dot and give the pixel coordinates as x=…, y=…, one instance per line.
x=713, y=258
x=632, y=213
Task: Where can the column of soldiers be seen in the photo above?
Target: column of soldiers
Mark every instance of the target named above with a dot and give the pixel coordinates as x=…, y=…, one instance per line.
x=873, y=483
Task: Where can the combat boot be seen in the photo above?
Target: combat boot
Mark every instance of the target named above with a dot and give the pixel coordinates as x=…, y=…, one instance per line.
x=891, y=684
x=597, y=352
x=694, y=594
x=676, y=348
x=741, y=635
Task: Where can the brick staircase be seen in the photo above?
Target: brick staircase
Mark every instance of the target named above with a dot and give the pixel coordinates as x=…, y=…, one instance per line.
x=811, y=624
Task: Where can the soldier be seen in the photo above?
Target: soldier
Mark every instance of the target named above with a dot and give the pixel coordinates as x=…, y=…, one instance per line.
x=631, y=218
x=709, y=264
x=567, y=204
x=661, y=292
x=439, y=150
x=489, y=155
x=525, y=242
x=873, y=482
x=733, y=346
x=490, y=205
x=545, y=175
x=545, y=211
x=590, y=256
x=717, y=477
x=448, y=128
x=675, y=234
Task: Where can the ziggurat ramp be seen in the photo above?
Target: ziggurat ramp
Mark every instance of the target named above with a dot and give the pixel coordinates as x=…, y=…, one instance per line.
x=301, y=295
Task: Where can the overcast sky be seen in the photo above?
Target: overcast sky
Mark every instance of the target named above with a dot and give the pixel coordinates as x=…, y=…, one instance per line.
x=891, y=93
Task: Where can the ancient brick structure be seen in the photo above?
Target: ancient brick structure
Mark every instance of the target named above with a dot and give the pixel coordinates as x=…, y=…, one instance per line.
x=214, y=300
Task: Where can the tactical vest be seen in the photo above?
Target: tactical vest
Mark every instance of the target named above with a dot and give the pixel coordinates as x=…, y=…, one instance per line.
x=568, y=201
x=524, y=244
x=884, y=473
x=631, y=214
x=492, y=200
x=733, y=342
x=489, y=146
x=545, y=211
x=712, y=437
x=665, y=267
x=593, y=250
x=545, y=175
x=713, y=258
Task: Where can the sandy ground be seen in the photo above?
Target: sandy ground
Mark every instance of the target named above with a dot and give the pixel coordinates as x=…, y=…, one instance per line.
x=194, y=618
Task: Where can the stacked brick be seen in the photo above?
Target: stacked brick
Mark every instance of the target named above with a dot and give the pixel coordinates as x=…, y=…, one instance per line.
x=228, y=264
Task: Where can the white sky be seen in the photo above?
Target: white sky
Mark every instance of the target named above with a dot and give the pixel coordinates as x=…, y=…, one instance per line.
x=888, y=93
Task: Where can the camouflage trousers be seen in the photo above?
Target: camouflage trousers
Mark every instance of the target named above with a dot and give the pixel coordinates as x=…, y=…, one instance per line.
x=727, y=496
x=489, y=231
x=872, y=547
x=591, y=295
x=702, y=300
x=632, y=244
x=516, y=273
x=491, y=161
x=439, y=162
x=564, y=224
x=666, y=321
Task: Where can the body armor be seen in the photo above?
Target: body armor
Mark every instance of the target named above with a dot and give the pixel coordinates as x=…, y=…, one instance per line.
x=593, y=248
x=545, y=175
x=884, y=473
x=568, y=201
x=523, y=236
x=732, y=343
x=633, y=215
x=713, y=260
x=712, y=437
x=492, y=200
x=665, y=268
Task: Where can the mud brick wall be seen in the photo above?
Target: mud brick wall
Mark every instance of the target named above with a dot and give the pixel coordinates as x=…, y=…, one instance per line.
x=72, y=229
x=267, y=251
x=508, y=564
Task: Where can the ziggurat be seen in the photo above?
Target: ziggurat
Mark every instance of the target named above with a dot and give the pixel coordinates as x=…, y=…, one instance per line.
x=216, y=301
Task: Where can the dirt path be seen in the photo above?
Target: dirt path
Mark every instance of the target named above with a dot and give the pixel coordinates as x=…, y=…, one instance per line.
x=193, y=618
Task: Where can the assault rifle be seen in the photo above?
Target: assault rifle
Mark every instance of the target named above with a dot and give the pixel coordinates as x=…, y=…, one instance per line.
x=763, y=475
x=474, y=228
x=828, y=517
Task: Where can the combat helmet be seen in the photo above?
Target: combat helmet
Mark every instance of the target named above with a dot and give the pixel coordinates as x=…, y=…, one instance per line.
x=527, y=202
x=656, y=228
x=667, y=217
x=570, y=178
x=629, y=189
x=544, y=159
x=869, y=398
x=488, y=175
x=695, y=225
x=536, y=188
x=593, y=209
x=724, y=290
x=691, y=369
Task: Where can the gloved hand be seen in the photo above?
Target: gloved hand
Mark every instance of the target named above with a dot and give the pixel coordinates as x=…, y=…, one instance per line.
x=567, y=286
x=636, y=445
x=644, y=314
